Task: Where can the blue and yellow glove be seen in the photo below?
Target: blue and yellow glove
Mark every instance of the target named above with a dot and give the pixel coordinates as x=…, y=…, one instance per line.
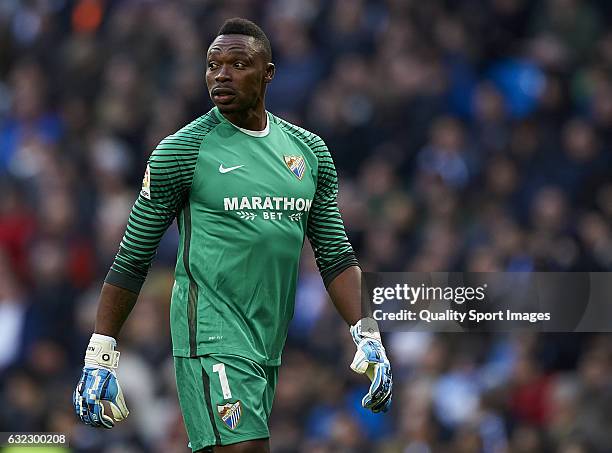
x=371, y=359
x=98, y=399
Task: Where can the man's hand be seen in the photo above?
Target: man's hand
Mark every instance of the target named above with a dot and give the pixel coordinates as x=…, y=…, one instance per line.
x=98, y=399
x=371, y=359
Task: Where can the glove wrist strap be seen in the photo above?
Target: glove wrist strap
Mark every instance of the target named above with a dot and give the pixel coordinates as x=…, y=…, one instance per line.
x=365, y=328
x=101, y=352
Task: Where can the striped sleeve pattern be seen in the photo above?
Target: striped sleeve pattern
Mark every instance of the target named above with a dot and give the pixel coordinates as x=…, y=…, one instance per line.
x=325, y=230
x=170, y=170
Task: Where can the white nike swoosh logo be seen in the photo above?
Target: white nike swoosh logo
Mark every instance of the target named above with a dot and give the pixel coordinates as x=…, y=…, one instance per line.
x=222, y=169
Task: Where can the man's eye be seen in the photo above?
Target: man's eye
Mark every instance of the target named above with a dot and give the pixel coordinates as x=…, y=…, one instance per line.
x=212, y=65
x=239, y=65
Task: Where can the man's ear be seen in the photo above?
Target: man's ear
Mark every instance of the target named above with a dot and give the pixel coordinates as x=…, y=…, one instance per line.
x=269, y=72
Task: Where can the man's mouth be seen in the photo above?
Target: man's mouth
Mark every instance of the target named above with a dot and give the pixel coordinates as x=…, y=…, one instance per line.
x=223, y=95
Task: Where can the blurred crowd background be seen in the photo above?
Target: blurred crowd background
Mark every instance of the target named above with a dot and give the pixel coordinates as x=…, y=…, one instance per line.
x=472, y=135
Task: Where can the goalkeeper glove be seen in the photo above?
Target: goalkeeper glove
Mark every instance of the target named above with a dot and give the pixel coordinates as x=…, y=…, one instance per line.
x=98, y=399
x=371, y=359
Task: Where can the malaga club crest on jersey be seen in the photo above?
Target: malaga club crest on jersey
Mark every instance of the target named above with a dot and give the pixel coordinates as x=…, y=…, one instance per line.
x=230, y=414
x=296, y=164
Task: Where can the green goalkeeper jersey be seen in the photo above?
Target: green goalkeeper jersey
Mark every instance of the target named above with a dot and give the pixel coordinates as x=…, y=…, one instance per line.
x=244, y=202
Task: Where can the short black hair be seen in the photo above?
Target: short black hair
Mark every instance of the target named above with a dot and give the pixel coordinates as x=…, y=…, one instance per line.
x=240, y=26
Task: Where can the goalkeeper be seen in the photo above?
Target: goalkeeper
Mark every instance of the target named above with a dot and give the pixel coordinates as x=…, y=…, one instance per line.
x=246, y=188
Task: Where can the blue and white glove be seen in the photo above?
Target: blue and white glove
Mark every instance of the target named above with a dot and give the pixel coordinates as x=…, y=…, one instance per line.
x=371, y=359
x=98, y=399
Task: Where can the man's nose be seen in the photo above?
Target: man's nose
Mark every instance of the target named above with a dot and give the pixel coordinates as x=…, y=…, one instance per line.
x=223, y=74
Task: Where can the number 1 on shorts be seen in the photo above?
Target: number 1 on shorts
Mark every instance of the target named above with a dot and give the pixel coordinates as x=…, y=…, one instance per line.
x=220, y=368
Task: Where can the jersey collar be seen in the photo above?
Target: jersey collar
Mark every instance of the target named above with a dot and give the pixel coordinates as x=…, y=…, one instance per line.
x=257, y=134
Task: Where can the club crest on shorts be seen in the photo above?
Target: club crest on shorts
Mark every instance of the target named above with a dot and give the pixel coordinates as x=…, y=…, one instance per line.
x=230, y=413
x=296, y=164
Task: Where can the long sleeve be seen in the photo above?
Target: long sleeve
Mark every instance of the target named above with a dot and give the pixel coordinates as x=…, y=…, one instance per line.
x=325, y=230
x=166, y=183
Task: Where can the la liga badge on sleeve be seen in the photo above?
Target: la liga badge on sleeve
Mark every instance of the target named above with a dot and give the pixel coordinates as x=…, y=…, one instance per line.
x=296, y=164
x=146, y=184
x=230, y=413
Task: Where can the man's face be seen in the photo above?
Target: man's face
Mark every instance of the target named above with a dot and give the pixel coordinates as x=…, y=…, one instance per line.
x=236, y=73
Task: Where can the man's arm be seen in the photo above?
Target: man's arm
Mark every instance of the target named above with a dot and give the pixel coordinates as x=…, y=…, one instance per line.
x=114, y=306
x=333, y=252
x=325, y=230
x=345, y=293
x=164, y=187
x=98, y=399
x=342, y=277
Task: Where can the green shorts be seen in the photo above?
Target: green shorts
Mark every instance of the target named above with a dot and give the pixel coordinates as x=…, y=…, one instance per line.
x=224, y=398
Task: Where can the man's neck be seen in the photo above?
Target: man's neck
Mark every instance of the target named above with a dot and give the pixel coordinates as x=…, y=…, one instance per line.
x=253, y=120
